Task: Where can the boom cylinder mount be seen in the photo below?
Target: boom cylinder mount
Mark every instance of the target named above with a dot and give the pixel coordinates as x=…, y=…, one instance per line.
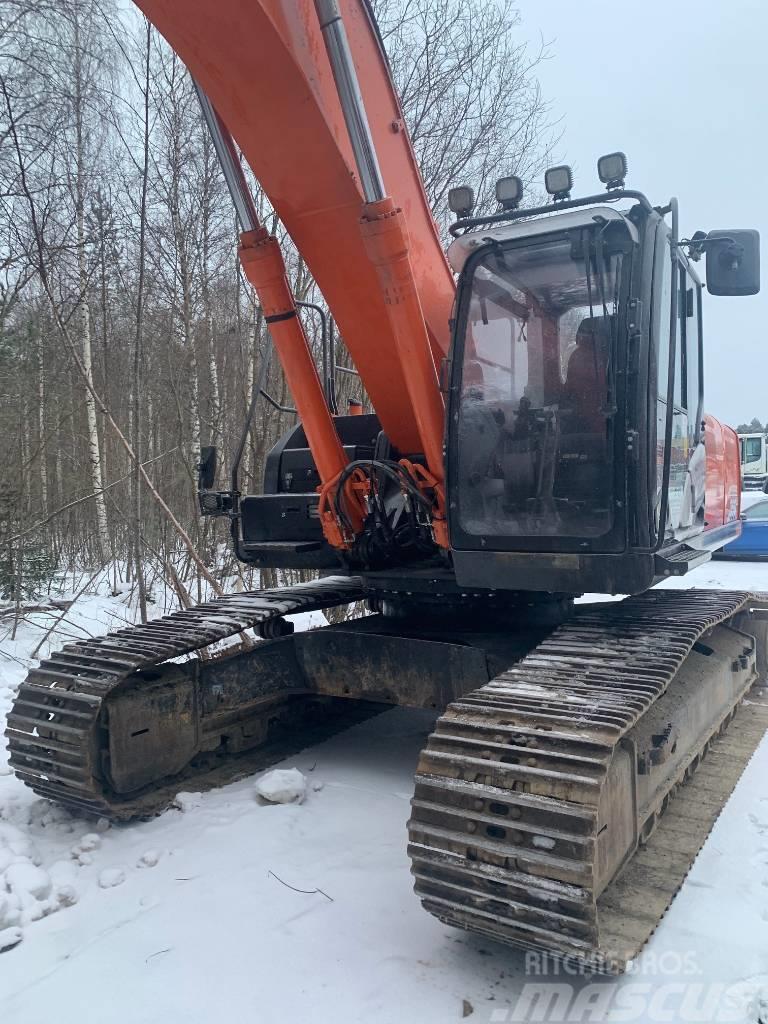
x=385, y=236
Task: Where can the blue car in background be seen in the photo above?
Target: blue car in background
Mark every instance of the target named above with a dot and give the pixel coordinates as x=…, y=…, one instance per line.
x=753, y=542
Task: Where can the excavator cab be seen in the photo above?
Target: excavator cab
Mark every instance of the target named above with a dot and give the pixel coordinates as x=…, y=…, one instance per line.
x=575, y=421
x=577, y=454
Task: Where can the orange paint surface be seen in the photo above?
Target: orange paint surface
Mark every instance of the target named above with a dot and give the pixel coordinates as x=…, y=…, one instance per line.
x=723, y=482
x=264, y=66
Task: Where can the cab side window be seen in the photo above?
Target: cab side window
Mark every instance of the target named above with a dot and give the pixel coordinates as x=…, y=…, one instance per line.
x=665, y=312
x=690, y=335
x=680, y=361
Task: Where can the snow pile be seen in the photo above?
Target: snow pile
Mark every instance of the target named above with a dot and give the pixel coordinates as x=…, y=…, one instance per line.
x=110, y=877
x=282, y=786
x=187, y=801
x=149, y=859
x=544, y=842
x=83, y=850
x=27, y=891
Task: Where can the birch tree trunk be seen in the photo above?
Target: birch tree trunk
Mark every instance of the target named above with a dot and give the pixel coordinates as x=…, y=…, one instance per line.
x=210, y=168
x=83, y=311
x=181, y=227
x=41, y=416
x=138, y=348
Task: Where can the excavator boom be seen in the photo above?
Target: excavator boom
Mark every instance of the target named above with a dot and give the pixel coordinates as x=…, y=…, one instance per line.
x=263, y=65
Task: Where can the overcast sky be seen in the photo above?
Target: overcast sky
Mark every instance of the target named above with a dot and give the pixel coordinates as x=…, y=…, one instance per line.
x=681, y=87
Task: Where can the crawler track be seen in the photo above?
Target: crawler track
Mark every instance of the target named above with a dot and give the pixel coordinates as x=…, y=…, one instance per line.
x=509, y=810
x=505, y=826
x=55, y=734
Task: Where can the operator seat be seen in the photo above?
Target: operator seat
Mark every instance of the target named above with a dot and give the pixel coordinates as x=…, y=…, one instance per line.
x=583, y=473
x=584, y=393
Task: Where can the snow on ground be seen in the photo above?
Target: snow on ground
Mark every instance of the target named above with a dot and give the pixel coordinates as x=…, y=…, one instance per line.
x=226, y=906
x=724, y=575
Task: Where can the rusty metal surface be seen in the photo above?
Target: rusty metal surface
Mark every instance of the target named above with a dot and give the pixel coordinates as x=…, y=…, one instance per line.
x=55, y=727
x=514, y=805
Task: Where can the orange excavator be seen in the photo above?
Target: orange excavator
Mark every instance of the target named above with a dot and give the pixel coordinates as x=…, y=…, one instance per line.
x=536, y=434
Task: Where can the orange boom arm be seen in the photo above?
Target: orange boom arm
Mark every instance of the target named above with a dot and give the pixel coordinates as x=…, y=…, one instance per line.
x=263, y=64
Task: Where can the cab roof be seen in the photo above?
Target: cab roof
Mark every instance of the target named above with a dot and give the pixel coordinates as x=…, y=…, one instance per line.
x=462, y=247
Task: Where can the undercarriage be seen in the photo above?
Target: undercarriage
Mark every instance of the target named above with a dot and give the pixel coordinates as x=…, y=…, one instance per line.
x=564, y=735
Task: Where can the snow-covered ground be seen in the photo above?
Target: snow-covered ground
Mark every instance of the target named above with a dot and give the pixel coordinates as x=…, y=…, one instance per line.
x=195, y=916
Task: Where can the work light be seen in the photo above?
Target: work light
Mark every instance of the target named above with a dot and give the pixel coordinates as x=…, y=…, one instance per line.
x=558, y=181
x=461, y=200
x=612, y=170
x=509, y=192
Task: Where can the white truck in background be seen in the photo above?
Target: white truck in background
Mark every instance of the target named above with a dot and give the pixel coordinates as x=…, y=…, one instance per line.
x=754, y=461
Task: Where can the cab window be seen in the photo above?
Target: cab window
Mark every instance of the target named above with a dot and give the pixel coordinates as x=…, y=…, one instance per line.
x=535, y=441
x=751, y=449
x=690, y=337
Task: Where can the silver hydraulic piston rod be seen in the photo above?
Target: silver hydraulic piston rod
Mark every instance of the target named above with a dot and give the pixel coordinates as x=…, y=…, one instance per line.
x=351, y=99
x=224, y=145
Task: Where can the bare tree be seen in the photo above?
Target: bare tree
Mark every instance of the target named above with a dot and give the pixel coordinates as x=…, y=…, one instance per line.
x=139, y=337
x=128, y=336
x=468, y=87
x=82, y=58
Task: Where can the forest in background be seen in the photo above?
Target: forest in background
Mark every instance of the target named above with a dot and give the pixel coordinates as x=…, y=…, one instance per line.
x=128, y=336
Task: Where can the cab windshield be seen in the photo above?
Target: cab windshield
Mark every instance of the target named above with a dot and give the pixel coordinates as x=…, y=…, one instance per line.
x=537, y=394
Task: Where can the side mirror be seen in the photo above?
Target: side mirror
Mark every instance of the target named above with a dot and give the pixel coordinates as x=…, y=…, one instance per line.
x=206, y=468
x=743, y=517
x=733, y=262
